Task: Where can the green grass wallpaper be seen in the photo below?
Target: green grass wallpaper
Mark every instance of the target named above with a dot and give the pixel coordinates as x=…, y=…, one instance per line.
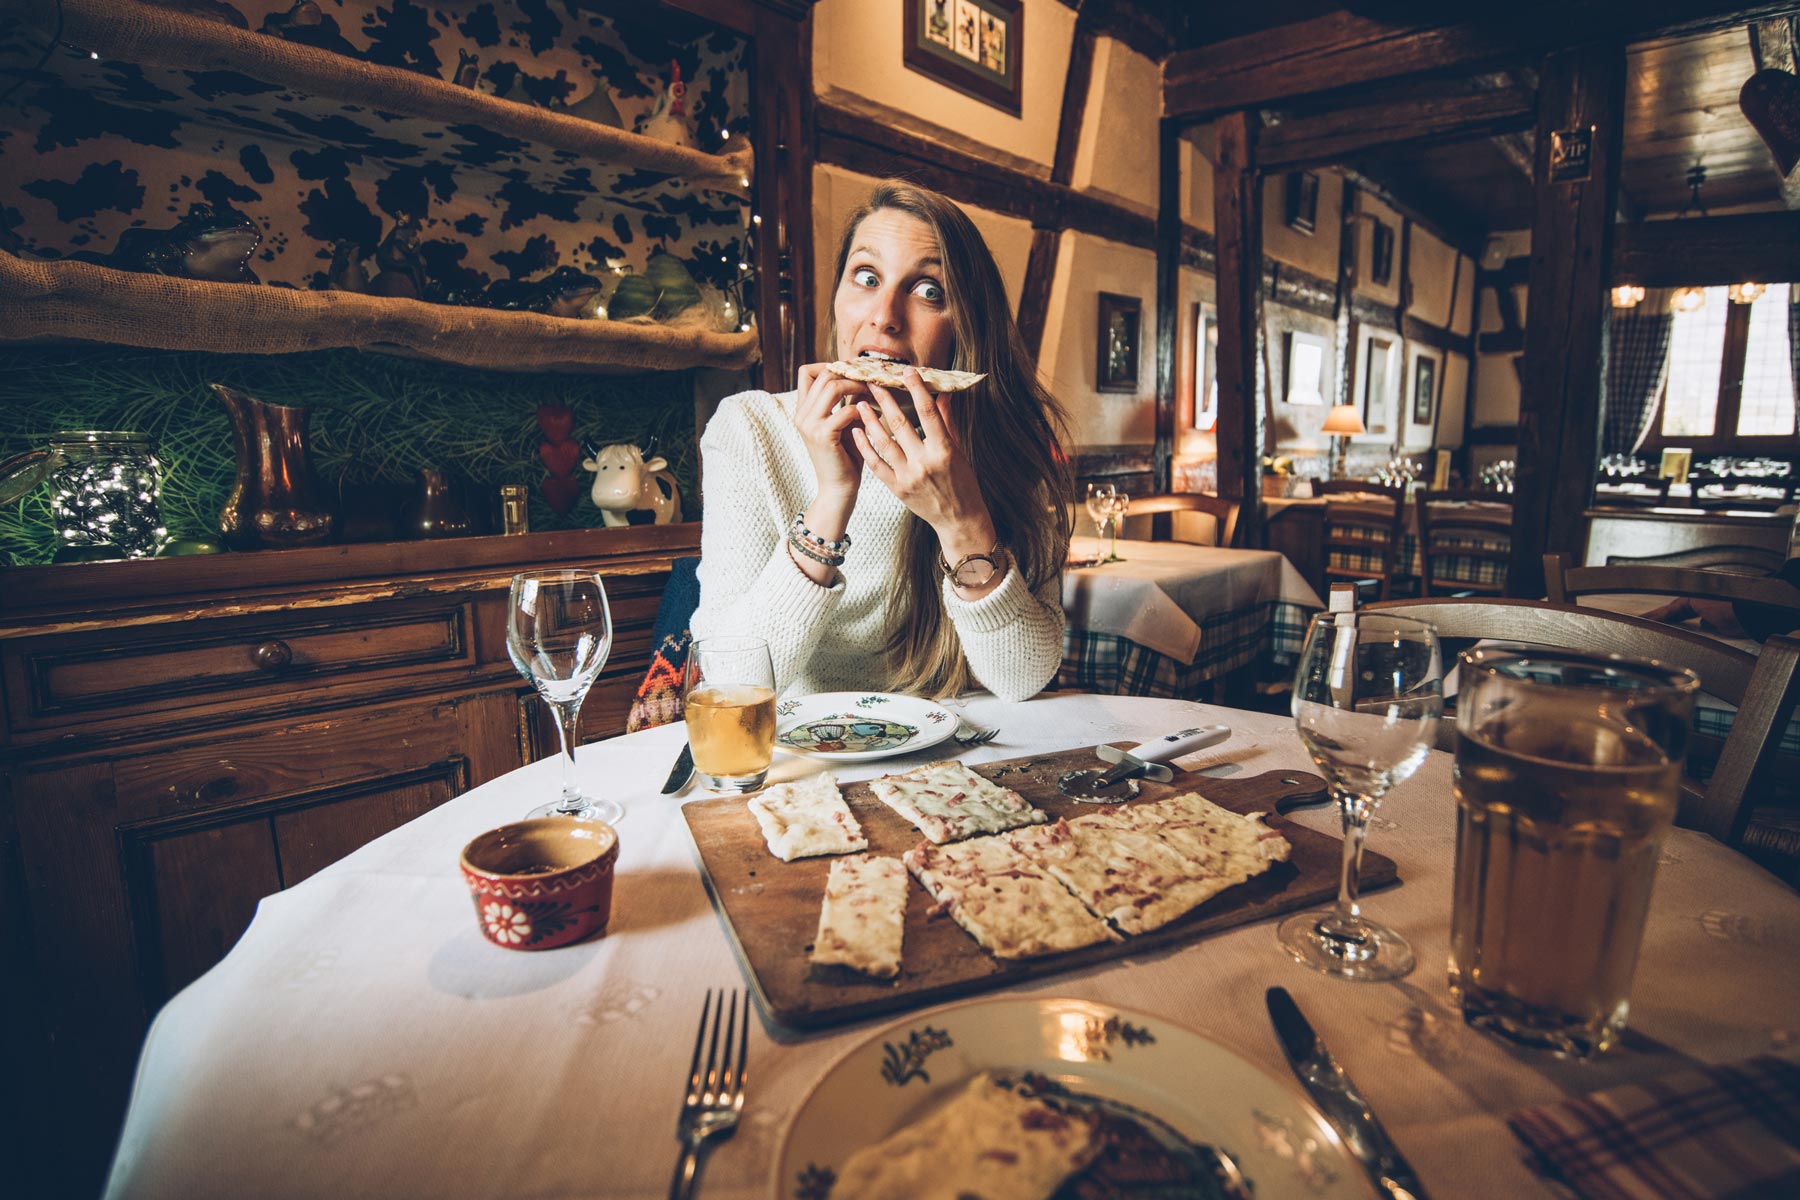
x=376, y=420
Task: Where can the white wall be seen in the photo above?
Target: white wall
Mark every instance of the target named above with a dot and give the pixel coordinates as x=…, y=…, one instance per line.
x=1087, y=266
x=1117, y=153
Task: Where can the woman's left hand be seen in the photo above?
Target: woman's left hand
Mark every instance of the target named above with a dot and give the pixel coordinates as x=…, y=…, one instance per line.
x=929, y=474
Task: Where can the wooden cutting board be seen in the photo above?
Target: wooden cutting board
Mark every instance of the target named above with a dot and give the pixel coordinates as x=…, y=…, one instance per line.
x=771, y=908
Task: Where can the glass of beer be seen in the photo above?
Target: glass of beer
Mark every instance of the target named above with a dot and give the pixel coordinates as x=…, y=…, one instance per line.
x=728, y=693
x=1568, y=769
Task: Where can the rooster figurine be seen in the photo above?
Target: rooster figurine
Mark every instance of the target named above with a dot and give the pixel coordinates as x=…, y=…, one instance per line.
x=668, y=121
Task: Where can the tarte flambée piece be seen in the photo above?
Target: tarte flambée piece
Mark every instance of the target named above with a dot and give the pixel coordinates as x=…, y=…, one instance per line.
x=1008, y=904
x=949, y=802
x=863, y=919
x=989, y=1141
x=893, y=374
x=806, y=818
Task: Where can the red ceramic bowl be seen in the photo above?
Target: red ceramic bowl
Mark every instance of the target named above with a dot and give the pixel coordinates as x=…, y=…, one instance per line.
x=542, y=883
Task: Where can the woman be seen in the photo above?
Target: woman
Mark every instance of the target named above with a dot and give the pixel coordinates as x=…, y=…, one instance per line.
x=894, y=540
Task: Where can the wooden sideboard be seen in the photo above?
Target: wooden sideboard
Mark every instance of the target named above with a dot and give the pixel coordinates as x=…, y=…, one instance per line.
x=183, y=737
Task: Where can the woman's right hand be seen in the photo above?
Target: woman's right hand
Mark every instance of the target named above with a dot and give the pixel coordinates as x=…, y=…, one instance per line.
x=825, y=413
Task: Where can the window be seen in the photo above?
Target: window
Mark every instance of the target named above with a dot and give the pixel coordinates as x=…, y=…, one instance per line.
x=1731, y=376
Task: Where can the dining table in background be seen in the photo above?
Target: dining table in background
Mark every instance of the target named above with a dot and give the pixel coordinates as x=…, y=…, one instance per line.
x=363, y=1039
x=1171, y=617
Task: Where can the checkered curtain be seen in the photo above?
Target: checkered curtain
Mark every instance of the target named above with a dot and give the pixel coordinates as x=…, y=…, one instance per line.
x=1638, y=362
x=1794, y=345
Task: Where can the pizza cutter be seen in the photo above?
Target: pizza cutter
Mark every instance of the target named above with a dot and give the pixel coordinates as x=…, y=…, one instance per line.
x=1147, y=760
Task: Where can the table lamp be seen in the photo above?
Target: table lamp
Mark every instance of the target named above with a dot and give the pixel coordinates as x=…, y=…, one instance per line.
x=1341, y=422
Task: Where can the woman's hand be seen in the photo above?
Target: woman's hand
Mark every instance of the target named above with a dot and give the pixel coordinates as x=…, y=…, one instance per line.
x=929, y=474
x=825, y=412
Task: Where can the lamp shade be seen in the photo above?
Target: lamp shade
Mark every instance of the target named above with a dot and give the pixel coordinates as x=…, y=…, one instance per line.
x=1344, y=419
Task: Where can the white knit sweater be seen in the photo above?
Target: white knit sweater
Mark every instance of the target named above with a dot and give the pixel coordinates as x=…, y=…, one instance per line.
x=757, y=476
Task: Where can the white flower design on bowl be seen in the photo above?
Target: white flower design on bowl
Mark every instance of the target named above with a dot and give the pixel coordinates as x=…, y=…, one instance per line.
x=506, y=924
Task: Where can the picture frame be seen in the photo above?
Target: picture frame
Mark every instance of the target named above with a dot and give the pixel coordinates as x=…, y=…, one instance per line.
x=1303, y=201
x=1425, y=371
x=1379, y=386
x=1119, y=344
x=1440, y=468
x=1381, y=253
x=1205, y=325
x=970, y=46
x=1303, y=367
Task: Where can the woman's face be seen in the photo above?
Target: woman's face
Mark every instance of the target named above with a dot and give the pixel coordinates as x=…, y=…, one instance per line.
x=891, y=300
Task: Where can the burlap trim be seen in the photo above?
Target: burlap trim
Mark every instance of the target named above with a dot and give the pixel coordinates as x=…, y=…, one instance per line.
x=78, y=301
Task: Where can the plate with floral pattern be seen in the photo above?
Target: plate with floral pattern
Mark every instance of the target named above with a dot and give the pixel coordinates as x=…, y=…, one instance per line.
x=1166, y=1076
x=860, y=726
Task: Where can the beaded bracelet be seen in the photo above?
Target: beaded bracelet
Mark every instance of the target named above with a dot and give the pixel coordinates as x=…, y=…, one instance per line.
x=827, y=560
x=799, y=529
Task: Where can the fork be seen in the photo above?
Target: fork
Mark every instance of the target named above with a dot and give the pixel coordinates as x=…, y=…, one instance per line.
x=715, y=1096
x=975, y=737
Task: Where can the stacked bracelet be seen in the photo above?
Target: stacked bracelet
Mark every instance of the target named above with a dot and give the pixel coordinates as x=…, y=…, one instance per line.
x=797, y=543
x=802, y=536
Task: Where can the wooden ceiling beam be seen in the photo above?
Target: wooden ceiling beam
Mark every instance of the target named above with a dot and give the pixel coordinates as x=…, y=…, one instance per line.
x=1343, y=50
x=1708, y=251
x=1333, y=137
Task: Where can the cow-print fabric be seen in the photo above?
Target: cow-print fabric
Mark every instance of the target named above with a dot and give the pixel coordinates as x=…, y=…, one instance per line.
x=91, y=148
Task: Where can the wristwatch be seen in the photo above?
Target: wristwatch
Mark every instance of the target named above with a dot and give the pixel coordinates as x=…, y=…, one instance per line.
x=974, y=570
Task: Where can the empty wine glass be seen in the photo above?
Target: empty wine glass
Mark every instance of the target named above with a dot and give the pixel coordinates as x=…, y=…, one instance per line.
x=559, y=634
x=1367, y=697
x=1099, y=505
x=1118, y=505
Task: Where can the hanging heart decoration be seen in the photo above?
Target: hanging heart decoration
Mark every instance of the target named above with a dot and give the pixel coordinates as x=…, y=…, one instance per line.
x=1771, y=103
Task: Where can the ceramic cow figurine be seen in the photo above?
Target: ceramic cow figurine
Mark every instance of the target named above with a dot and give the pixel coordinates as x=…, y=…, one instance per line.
x=624, y=482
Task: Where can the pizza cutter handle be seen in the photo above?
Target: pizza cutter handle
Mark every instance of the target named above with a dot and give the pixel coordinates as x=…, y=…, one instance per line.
x=1182, y=741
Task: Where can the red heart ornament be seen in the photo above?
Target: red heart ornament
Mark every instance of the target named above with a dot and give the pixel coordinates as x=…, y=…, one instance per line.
x=556, y=420
x=561, y=457
x=560, y=494
x=1771, y=103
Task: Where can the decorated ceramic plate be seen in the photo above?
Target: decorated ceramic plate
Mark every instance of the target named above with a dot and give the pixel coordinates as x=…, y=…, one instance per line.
x=1182, y=1088
x=860, y=726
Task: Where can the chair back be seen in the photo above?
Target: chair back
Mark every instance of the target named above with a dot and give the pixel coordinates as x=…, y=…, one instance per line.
x=1465, y=540
x=1166, y=525
x=1737, y=560
x=658, y=699
x=1763, y=687
x=1563, y=583
x=1363, y=531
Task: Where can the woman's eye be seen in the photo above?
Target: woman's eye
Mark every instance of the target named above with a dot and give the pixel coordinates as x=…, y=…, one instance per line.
x=864, y=277
x=925, y=289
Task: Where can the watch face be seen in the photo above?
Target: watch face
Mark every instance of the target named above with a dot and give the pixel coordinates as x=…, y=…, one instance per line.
x=974, y=572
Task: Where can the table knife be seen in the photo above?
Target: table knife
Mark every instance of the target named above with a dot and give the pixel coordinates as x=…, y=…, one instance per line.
x=1339, y=1100
x=684, y=770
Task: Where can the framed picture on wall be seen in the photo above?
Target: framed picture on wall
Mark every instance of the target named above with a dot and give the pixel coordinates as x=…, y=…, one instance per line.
x=1303, y=201
x=1116, y=358
x=1303, y=367
x=1381, y=253
x=1379, y=387
x=972, y=46
x=1206, y=357
x=1424, y=387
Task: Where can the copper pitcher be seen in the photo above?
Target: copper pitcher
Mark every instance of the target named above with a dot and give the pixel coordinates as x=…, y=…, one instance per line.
x=275, y=502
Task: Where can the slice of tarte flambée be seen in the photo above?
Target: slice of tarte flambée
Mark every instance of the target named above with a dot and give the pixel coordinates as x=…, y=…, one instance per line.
x=892, y=374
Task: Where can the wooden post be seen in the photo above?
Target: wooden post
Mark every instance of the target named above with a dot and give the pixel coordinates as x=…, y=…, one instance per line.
x=1563, y=372
x=1168, y=296
x=782, y=84
x=1237, y=220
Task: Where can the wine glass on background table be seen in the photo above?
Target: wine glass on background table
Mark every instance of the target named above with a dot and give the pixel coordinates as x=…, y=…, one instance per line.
x=728, y=701
x=1100, y=506
x=1367, y=697
x=559, y=634
x=1118, y=503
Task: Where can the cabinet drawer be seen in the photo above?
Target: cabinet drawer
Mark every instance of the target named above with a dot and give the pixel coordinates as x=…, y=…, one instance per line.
x=57, y=679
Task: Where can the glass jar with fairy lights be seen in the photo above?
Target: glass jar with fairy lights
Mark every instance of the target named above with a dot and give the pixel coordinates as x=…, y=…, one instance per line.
x=104, y=490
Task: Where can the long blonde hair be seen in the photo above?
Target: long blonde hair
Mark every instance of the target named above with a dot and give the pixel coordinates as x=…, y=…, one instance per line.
x=1008, y=425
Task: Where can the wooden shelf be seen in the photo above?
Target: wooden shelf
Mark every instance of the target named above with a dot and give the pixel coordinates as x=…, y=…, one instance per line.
x=335, y=85
x=79, y=302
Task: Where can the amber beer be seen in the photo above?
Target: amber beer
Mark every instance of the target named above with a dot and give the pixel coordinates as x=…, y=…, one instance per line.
x=1567, y=774
x=731, y=729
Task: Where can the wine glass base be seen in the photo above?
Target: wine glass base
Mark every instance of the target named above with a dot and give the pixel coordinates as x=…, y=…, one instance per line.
x=1356, y=949
x=609, y=811
x=732, y=783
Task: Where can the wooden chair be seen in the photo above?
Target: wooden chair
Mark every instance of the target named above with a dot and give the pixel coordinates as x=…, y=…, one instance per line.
x=1763, y=687
x=1366, y=527
x=1563, y=583
x=1738, y=560
x=1476, y=543
x=1162, y=507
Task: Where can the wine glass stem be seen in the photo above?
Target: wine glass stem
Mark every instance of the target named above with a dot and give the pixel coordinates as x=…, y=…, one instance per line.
x=1355, y=810
x=568, y=719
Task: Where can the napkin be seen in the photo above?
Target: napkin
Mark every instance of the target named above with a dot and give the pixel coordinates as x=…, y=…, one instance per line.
x=1701, y=1134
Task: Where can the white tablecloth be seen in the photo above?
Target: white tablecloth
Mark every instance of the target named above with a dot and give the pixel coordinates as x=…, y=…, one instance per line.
x=363, y=1040
x=1160, y=593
